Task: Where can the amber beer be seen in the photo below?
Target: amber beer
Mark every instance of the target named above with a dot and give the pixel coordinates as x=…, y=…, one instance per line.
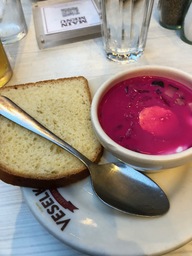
x=5, y=68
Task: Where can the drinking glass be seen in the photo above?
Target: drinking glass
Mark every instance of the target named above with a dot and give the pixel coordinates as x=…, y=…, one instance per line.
x=12, y=21
x=125, y=25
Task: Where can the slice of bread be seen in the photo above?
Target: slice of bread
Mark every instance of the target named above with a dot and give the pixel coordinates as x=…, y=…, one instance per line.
x=63, y=106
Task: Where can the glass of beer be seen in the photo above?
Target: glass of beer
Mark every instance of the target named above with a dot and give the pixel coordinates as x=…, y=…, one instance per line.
x=5, y=68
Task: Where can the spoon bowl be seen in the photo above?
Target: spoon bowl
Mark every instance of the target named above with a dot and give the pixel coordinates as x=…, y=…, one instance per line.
x=116, y=184
x=125, y=189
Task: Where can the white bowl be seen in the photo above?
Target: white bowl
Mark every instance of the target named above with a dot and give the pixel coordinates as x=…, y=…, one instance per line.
x=143, y=162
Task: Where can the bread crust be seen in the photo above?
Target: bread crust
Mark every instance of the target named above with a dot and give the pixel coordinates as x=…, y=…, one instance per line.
x=12, y=177
x=40, y=183
x=45, y=82
x=16, y=180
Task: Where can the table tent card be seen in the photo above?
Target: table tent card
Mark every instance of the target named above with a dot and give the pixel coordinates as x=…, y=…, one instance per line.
x=58, y=22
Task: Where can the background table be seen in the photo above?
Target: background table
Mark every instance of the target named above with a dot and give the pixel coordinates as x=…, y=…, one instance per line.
x=20, y=233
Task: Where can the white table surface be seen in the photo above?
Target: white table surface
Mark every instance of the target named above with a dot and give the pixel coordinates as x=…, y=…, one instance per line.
x=20, y=233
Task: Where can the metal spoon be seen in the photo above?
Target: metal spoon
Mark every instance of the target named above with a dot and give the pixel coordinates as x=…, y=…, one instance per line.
x=116, y=184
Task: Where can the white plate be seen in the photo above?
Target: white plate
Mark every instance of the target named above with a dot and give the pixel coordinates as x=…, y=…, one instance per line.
x=94, y=228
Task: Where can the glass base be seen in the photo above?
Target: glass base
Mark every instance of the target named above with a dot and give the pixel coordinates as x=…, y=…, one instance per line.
x=173, y=27
x=185, y=39
x=13, y=35
x=124, y=58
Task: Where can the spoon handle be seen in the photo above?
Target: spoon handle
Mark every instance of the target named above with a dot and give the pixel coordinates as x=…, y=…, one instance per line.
x=14, y=113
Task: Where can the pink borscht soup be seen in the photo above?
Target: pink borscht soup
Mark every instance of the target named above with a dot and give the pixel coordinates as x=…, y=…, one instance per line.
x=148, y=114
